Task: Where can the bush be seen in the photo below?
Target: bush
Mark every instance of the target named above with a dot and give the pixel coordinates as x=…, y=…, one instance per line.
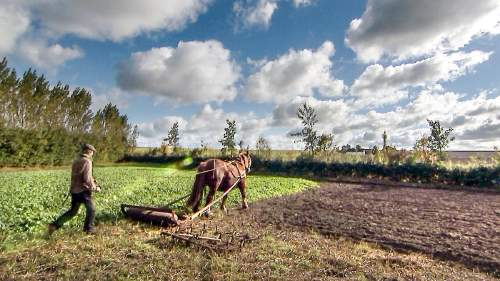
x=48, y=147
x=412, y=172
x=22, y=148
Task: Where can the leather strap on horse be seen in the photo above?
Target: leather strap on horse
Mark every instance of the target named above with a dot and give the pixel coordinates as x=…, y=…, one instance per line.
x=234, y=163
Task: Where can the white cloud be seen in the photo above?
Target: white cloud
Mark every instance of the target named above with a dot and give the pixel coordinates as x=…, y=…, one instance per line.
x=328, y=111
x=297, y=73
x=404, y=29
x=489, y=130
x=47, y=56
x=258, y=13
x=92, y=19
x=302, y=3
x=113, y=95
x=157, y=130
x=379, y=85
x=406, y=123
x=14, y=22
x=471, y=117
x=475, y=121
x=117, y=20
x=209, y=119
x=207, y=124
x=255, y=13
x=195, y=71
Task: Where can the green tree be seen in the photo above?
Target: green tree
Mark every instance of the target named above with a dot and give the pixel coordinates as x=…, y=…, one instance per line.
x=325, y=142
x=57, y=106
x=172, y=138
x=24, y=101
x=241, y=145
x=37, y=104
x=422, y=151
x=110, y=132
x=496, y=156
x=227, y=141
x=346, y=148
x=439, y=138
x=44, y=124
x=79, y=114
x=8, y=82
x=384, y=139
x=263, y=148
x=132, y=139
x=308, y=134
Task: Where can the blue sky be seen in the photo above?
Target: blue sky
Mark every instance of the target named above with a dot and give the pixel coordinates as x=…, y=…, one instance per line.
x=366, y=66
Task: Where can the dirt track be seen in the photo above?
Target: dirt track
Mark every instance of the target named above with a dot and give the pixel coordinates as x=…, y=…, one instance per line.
x=452, y=225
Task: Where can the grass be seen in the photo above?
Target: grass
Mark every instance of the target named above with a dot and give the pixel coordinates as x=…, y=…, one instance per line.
x=31, y=199
x=125, y=250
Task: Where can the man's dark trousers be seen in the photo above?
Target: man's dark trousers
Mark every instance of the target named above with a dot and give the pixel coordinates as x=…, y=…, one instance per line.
x=77, y=199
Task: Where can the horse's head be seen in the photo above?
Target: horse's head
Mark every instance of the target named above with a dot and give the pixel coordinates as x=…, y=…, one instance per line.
x=246, y=161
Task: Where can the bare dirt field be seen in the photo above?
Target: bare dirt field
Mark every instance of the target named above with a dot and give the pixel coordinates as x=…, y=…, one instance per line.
x=462, y=226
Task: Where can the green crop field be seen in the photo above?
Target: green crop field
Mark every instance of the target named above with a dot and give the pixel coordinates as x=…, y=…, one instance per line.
x=31, y=199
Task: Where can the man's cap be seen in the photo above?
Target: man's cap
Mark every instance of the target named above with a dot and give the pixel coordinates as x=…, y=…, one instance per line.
x=89, y=147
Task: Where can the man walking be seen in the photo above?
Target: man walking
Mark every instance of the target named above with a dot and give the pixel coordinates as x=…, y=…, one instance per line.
x=82, y=186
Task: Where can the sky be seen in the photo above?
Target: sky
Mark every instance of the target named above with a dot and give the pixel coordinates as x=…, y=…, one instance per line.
x=365, y=66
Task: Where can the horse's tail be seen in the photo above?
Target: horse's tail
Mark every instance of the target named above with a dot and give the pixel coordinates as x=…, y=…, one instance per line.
x=196, y=191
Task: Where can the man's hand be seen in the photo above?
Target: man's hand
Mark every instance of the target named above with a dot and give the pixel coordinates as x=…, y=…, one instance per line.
x=97, y=187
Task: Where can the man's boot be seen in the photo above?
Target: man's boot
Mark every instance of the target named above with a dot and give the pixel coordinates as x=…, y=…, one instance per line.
x=51, y=228
x=90, y=231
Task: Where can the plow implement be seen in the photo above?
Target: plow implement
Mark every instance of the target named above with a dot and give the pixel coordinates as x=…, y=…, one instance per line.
x=152, y=215
x=183, y=223
x=216, y=241
x=165, y=216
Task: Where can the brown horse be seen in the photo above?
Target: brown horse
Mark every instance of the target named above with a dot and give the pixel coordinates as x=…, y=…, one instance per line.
x=220, y=175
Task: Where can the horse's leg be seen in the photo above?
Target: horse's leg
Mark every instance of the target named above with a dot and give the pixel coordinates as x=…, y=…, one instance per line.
x=196, y=196
x=196, y=206
x=223, y=204
x=211, y=194
x=210, y=198
x=242, y=186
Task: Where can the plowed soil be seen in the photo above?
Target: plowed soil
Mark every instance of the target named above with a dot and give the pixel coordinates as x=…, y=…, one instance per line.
x=462, y=226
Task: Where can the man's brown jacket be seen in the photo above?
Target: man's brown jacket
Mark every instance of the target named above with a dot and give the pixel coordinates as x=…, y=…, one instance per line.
x=81, y=175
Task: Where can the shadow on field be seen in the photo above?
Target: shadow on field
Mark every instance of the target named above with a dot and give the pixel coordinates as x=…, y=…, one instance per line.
x=105, y=217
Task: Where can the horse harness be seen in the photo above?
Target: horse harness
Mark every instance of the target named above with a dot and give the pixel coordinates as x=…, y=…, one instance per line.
x=240, y=177
x=240, y=174
x=234, y=163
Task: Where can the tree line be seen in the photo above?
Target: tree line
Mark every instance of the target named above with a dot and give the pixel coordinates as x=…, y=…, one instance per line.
x=427, y=149
x=43, y=124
